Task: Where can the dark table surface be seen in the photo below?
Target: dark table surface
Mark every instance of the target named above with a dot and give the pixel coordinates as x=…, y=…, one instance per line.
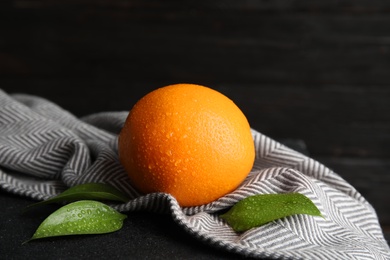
x=313, y=71
x=144, y=235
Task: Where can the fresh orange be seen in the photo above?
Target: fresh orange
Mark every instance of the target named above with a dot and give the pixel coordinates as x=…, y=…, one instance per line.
x=186, y=140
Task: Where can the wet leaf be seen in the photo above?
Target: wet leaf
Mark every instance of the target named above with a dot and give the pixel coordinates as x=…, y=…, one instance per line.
x=80, y=218
x=88, y=191
x=260, y=209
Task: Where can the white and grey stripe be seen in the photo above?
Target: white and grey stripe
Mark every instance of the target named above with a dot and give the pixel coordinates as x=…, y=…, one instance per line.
x=45, y=149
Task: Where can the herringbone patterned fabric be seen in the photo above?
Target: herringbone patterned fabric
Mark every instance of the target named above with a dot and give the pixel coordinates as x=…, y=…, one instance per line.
x=44, y=150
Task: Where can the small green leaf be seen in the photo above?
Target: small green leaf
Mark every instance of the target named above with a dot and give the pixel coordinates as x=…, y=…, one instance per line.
x=260, y=209
x=80, y=218
x=91, y=191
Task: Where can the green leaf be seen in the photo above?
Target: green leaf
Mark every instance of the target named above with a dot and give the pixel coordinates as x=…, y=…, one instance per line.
x=80, y=218
x=260, y=209
x=92, y=191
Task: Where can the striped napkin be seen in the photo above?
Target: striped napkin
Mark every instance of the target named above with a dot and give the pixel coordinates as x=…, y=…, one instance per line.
x=44, y=150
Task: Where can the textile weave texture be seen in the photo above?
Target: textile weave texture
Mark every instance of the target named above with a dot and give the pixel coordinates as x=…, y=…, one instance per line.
x=44, y=150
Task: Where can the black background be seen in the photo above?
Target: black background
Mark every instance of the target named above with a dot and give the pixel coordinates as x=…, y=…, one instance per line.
x=314, y=71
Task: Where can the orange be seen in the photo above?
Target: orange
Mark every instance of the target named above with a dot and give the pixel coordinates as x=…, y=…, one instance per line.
x=186, y=140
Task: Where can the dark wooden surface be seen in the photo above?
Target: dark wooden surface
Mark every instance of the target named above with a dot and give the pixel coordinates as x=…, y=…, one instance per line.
x=317, y=71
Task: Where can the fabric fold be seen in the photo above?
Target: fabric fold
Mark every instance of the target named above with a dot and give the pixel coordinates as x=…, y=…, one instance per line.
x=44, y=149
